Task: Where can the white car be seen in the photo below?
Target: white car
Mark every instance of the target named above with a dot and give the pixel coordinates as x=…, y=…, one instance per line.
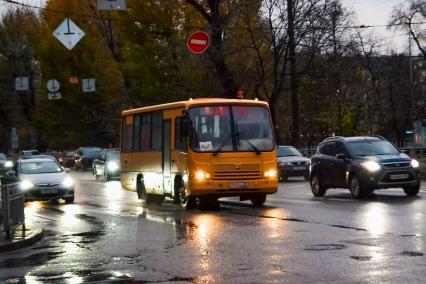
x=44, y=179
x=291, y=163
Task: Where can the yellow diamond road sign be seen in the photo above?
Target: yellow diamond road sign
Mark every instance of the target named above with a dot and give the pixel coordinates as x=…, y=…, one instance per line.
x=68, y=33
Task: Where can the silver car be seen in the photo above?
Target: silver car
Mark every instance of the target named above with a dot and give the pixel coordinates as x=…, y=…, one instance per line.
x=291, y=163
x=44, y=179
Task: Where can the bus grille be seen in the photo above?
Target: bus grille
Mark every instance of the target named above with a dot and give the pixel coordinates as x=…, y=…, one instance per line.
x=237, y=171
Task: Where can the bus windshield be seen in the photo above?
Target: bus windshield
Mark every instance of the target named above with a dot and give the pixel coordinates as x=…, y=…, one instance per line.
x=230, y=129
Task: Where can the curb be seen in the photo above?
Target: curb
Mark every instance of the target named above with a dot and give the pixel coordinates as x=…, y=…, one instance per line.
x=32, y=235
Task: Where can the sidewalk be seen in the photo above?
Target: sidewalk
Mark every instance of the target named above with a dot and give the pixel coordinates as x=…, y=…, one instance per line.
x=20, y=239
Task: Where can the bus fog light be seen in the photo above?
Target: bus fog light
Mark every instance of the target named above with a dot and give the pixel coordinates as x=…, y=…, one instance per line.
x=201, y=175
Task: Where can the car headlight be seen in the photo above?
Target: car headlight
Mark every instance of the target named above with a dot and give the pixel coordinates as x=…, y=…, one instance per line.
x=26, y=184
x=112, y=166
x=414, y=163
x=270, y=173
x=371, y=166
x=8, y=164
x=68, y=182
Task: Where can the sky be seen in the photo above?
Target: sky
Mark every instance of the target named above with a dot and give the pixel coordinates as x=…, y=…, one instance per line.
x=368, y=12
x=378, y=12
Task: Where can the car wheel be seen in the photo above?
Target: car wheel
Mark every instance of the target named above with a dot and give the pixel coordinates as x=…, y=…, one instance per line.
x=187, y=202
x=411, y=190
x=317, y=188
x=69, y=200
x=258, y=199
x=356, y=188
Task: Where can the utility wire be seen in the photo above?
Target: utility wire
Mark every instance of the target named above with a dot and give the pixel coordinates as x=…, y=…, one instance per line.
x=82, y=15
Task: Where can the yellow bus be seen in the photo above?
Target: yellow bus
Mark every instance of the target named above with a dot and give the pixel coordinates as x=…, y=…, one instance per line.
x=199, y=150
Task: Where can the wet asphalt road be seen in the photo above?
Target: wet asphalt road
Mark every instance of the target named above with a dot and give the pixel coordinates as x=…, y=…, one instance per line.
x=108, y=235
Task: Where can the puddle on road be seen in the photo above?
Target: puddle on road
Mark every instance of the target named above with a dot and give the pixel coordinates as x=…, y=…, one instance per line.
x=361, y=258
x=412, y=253
x=321, y=247
x=83, y=238
x=74, y=277
x=31, y=260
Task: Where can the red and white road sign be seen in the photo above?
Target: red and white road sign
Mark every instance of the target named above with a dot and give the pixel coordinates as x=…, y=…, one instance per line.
x=198, y=42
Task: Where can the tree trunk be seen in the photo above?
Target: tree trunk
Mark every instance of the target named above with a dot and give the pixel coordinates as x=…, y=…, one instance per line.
x=293, y=74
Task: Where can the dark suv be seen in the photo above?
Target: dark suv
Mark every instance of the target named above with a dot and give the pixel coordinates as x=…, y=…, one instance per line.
x=84, y=157
x=362, y=164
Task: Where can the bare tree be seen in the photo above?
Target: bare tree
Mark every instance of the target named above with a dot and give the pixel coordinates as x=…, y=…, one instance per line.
x=412, y=19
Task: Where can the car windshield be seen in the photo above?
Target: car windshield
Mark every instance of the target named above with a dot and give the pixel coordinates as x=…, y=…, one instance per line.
x=288, y=152
x=113, y=155
x=69, y=154
x=230, y=128
x=93, y=152
x=372, y=147
x=2, y=156
x=38, y=167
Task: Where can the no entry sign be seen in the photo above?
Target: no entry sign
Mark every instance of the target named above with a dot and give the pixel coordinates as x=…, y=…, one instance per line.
x=198, y=42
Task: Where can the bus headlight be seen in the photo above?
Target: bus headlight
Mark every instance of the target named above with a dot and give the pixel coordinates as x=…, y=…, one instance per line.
x=8, y=164
x=414, y=163
x=201, y=175
x=26, y=184
x=270, y=173
x=68, y=182
x=371, y=166
x=112, y=166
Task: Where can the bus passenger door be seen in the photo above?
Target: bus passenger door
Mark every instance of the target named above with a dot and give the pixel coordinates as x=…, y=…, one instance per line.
x=167, y=183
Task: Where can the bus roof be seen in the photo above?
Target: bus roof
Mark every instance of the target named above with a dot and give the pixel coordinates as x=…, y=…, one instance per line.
x=196, y=102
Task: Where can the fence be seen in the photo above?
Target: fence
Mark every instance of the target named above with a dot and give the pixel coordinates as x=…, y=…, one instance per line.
x=12, y=208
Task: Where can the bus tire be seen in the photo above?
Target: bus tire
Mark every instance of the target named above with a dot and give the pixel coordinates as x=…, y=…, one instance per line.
x=258, y=199
x=187, y=202
x=140, y=188
x=178, y=183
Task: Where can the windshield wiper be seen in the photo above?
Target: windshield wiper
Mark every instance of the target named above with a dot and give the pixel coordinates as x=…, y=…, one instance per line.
x=238, y=135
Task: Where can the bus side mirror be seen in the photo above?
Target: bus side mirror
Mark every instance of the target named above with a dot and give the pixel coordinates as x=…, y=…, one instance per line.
x=184, y=127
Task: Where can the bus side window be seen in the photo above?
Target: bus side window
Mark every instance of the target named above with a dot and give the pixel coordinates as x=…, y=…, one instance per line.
x=180, y=140
x=145, y=132
x=127, y=134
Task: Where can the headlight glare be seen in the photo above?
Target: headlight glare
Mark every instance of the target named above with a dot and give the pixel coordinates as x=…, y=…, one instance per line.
x=414, y=163
x=112, y=166
x=270, y=174
x=68, y=182
x=8, y=164
x=26, y=184
x=371, y=166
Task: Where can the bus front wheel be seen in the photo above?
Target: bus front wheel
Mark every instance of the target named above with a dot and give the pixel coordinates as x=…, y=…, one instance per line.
x=258, y=199
x=187, y=202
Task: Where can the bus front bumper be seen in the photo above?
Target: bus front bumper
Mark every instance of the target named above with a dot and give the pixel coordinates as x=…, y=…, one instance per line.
x=232, y=187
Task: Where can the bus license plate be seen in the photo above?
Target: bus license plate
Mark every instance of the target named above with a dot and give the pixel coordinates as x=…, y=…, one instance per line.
x=50, y=191
x=401, y=176
x=238, y=185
